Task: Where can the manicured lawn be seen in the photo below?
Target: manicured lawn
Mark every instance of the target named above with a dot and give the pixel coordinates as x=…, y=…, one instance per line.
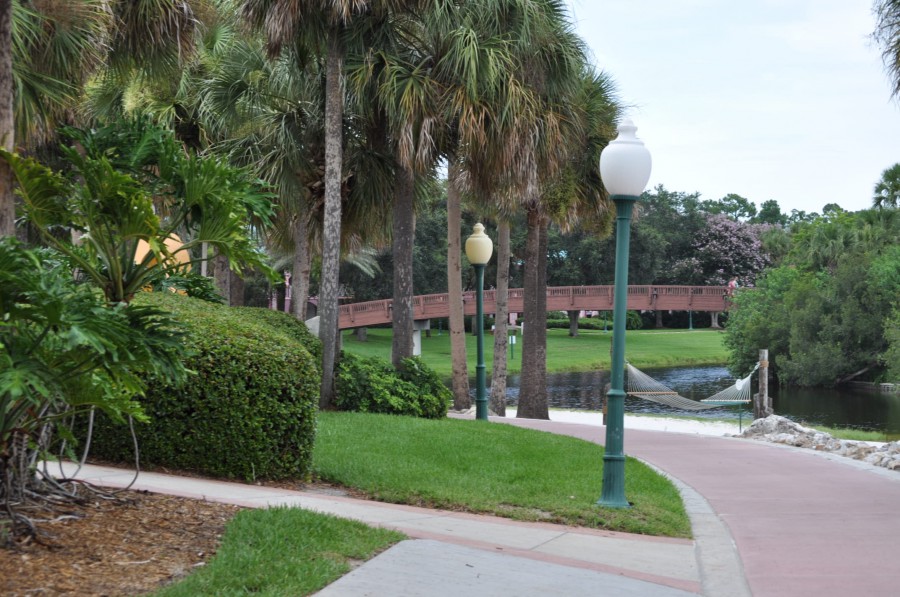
x=489, y=468
x=283, y=551
x=588, y=351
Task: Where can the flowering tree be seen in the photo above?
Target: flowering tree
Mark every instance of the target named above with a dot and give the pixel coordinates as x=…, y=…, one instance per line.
x=723, y=249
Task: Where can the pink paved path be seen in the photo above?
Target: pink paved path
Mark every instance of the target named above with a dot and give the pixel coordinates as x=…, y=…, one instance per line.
x=804, y=524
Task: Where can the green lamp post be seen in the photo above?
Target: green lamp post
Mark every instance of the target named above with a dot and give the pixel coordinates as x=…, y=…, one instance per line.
x=625, y=169
x=478, y=250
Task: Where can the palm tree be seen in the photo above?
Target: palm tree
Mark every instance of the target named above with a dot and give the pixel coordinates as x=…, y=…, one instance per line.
x=397, y=76
x=316, y=24
x=48, y=51
x=887, y=191
x=556, y=59
x=887, y=35
x=7, y=122
x=484, y=105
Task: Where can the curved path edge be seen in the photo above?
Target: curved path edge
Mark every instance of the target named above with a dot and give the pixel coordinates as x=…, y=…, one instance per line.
x=721, y=570
x=803, y=522
x=718, y=560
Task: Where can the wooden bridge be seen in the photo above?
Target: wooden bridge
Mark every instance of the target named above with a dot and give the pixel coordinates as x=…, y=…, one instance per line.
x=559, y=298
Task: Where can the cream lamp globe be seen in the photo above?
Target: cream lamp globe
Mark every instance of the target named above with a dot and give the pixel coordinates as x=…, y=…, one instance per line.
x=479, y=246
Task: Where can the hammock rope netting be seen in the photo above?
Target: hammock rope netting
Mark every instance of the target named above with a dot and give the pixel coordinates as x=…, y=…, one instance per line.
x=641, y=385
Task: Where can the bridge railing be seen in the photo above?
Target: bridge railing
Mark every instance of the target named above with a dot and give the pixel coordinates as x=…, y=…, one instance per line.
x=559, y=298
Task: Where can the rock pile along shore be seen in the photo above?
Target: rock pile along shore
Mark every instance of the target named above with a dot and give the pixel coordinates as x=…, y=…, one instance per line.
x=780, y=430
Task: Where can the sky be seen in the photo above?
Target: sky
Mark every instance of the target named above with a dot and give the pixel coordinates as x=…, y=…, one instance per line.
x=769, y=99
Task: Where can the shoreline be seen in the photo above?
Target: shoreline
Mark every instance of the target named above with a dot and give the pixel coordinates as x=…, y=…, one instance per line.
x=645, y=422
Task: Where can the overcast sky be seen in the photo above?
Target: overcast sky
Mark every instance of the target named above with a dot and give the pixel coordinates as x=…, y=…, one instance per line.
x=769, y=99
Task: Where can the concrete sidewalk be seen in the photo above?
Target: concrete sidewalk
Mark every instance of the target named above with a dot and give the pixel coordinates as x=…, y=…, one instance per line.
x=455, y=553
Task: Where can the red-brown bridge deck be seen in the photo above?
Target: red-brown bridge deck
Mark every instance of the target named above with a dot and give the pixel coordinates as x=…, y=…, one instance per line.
x=559, y=298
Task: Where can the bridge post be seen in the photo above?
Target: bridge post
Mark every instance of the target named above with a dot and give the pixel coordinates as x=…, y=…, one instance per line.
x=418, y=326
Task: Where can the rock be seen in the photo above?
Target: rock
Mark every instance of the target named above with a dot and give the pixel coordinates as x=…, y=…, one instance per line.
x=780, y=430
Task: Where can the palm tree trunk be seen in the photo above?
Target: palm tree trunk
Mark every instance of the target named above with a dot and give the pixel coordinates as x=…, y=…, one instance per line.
x=460, y=378
x=301, y=266
x=533, y=389
x=7, y=121
x=331, y=230
x=404, y=233
x=235, y=289
x=501, y=329
x=222, y=276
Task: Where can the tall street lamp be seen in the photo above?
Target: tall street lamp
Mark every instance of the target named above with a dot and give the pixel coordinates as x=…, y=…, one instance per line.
x=478, y=250
x=625, y=170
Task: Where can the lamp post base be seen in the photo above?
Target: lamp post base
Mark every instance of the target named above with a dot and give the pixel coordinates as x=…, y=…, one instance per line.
x=613, y=493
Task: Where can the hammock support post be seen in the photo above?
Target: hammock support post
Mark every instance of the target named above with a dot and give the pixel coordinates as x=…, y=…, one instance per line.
x=762, y=402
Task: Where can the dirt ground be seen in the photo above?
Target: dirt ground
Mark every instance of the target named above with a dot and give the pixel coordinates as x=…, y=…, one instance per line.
x=127, y=547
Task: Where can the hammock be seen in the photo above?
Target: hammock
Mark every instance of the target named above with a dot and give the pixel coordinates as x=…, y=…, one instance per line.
x=643, y=386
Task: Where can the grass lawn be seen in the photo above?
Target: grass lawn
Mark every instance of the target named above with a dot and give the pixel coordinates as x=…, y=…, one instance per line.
x=283, y=551
x=492, y=469
x=588, y=351
x=447, y=463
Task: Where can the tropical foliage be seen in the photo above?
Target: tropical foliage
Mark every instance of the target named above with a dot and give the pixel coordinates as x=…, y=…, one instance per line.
x=826, y=314
x=63, y=351
x=111, y=197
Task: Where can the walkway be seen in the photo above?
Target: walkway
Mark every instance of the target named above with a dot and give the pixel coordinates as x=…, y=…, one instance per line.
x=803, y=523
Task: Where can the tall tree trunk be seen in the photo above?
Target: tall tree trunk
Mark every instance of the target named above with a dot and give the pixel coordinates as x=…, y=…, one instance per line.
x=7, y=121
x=460, y=378
x=533, y=389
x=235, y=289
x=403, y=236
x=331, y=230
x=501, y=329
x=222, y=276
x=301, y=265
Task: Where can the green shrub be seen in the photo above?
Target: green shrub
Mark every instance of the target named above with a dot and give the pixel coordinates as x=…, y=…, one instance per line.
x=290, y=326
x=373, y=385
x=249, y=410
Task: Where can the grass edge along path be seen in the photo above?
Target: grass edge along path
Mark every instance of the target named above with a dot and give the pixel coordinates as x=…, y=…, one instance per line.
x=588, y=351
x=283, y=551
x=492, y=469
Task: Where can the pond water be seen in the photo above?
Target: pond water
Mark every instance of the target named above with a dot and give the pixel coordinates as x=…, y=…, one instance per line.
x=844, y=407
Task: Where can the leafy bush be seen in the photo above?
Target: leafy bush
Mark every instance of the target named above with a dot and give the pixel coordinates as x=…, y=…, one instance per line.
x=248, y=412
x=290, y=326
x=373, y=385
x=892, y=356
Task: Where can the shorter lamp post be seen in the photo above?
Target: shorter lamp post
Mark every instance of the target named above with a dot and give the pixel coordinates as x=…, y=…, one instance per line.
x=625, y=169
x=478, y=250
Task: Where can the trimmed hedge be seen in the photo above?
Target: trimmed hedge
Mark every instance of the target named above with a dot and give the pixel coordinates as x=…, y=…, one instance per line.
x=633, y=321
x=373, y=385
x=248, y=412
x=291, y=326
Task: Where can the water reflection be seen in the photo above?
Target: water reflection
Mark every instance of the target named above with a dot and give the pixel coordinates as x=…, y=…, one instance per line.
x=844, y=407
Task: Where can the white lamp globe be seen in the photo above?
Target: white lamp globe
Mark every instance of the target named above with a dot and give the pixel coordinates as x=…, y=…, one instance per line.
x=479, y=246
x=625, y=163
